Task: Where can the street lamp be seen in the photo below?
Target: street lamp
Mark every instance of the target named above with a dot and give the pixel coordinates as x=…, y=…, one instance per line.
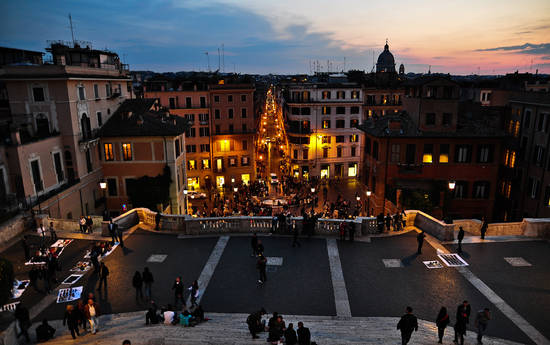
x=452, y=185
x=368, y=202
x=185, y=192
x=235, y=189
x=103, y=186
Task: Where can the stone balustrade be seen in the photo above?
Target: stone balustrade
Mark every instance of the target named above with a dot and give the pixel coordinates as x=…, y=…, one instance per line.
x=532, y=227
x=431, y=225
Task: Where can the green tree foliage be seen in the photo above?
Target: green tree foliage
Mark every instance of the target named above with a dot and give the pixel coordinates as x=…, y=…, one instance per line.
x=6, y=280
x=148, y=191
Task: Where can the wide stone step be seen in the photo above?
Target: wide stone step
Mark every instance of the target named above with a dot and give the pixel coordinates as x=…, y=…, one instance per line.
x=231, y=329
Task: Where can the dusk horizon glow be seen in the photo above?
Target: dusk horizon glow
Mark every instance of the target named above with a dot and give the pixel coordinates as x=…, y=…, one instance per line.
x=288, y=37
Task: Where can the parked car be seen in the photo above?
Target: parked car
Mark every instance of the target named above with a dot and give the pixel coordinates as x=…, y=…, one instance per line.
x=273, y=178
x=192, y=194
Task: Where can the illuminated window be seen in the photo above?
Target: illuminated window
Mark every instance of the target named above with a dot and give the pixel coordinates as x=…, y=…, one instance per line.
x=352, y=170
x=108, y=148
x=355, y=95
x=326, y=94
x=326, y=139
x=427, y=157
x=191, y=164
x=384, y=99
x=127, y=152
x=326, y=124
x=370, y=113
x=510, y=158
x=444, y=153
x=224, y=145
x=516, y=129
x=325, y=110
x=354, y=138
x=206, y=164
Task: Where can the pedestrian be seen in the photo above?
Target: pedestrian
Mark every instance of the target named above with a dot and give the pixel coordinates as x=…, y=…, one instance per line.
x=482, y=320
x=45, y=274
x=118, y=232
x=89, y=224
x=103, y=274
x=274, y=224
x=255, y=323
x=71, y=318
x=42, y=233
x=342, y=229
x=407, y=325
x=22, y=316
x=82, y=223
x=290, y=335
x=388, y=222
x=112, y=231
x=53, y=235
x=420, y=239
x=194, y=288
x=295, y=234
x=148, y=280
x=462, y=319
x=304, y=336
x=178, y=292
x=260, y=248
x=79, y=310
x=26, y=248
x=351, y=227
x=261, y=266
x=91, y=311
x=53, y=265
x=254, y=244
x=94, y=257
x=44, y=332
x=33, y=277
x=483, y=229
x=137, y=283
x=157, y=221
x=380, y=222
x=441, y=322
x=460, y=237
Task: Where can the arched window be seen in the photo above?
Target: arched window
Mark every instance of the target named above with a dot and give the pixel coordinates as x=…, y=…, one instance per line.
x=42, y=125
x=85, y=126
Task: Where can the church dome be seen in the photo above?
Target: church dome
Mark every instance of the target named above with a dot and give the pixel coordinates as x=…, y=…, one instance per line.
x=386, y=62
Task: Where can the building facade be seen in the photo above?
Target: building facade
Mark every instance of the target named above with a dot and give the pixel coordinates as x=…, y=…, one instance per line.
x=322, y=120
x=51, y=132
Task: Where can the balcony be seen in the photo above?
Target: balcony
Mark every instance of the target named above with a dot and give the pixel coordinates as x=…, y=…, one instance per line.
x=88, y=139
x=410, y=168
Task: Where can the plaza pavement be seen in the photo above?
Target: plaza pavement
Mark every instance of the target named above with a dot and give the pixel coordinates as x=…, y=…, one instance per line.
x=305, y=285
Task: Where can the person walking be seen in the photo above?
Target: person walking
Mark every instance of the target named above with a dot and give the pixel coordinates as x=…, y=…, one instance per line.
x=26, y=248
x=255, y=324
x=71, y=319
x=22, y=316
x=380, y=222
x=351, y=227
x=194, y=288
x=254, y=244
x=112, y=231
x=157, y=221
x=137, y=283
x=407, y=325
x=118, y=232
x=460, y=237
x=420, y=239
x=483, y=229
x=260, y=248
x=91, y=310
x=295, y=234
x=481, y=322
x=261, y=266
x=44, y=332
x=89, y=224
x=148, y=280
x=103, y=274
x=441, y=322
x=81, y=315
x=304, y=336
x=82, y=223
x=178, y=292
x=388, y=222
x=290, y=335
x=53, y=235
x=462, y=319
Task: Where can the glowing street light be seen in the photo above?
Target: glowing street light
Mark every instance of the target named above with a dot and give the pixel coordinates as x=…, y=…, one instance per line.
x=452, y=185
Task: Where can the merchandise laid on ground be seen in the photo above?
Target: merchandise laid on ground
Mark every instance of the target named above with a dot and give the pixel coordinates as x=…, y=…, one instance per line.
x=55, y=249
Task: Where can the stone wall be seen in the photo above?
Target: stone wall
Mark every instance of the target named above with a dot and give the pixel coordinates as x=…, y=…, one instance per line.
x=14, y=227
x=532, y=227
x=71, y=224
x=431, y=225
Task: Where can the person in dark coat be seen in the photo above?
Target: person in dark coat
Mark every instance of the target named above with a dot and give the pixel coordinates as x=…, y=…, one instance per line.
x=254, y=322
x=148, y=280
x=22, y=316
x=261, y=266
x=407, y=325
x=103, y=274
x=254, y=244
x=137, y=283
x=388, y=222
x=118, y=232
x=460, y=237
x=157, y=221
x=89, y=224
x=260, y=248
x=462, y=319
x=26, y=248
x=33, y=277
x=380, y=222
x=481, y=322
x=483, y=229
x=290, y=335
x=420, y=240
x=295, y=234
x=304, y=336
x=351, y=228
x=44, y=332
x=178, y=292
x=441, y=322
x=112, y=230
x=72, y=318
x=53, y=235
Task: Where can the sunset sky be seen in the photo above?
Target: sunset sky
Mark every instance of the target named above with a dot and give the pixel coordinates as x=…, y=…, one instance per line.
x=283, y=36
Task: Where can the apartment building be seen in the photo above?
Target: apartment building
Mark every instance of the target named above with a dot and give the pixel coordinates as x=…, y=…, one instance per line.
x=143, y=158
x=51, y=151
x=322, y=119
x=220, y=140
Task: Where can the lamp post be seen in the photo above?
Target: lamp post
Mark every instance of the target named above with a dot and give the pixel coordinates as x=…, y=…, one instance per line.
x=185, y=192
x=358, y=203
x=451, y=185
x=312, y=197
x=368, y=202
x=103, y=186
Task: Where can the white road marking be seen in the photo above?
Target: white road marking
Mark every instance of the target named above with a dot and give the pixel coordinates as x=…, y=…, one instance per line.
x=341, y=299
x=157, y=258
x=517, y=262
x=504, y=307
x=274, y=261
x=392, y=263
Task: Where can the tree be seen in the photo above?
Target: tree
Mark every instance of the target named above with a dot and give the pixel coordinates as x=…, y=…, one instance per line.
x=6, y=280
x=149, y=191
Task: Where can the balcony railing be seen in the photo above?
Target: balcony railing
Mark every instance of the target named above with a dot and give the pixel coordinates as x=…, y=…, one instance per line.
x=410, y=168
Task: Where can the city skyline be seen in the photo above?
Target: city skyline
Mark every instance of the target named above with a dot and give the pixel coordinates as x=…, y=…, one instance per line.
x=287, y=37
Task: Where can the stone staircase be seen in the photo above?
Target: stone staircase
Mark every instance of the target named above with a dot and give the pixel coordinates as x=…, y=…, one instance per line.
x=231, y=329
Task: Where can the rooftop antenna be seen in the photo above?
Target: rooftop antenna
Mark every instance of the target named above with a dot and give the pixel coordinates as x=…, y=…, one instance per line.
x=344, y=69
x=219, y=65
x=71, y=26
x=208, y=58
x=372, y=70
x=223, y=58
